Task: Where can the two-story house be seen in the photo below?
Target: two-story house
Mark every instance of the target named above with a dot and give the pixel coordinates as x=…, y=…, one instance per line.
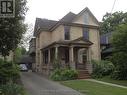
x=74, y=41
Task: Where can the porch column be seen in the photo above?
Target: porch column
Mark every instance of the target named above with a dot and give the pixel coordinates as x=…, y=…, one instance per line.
x=41, y=60
x=56, y=52
x=48, y=65
x=71, y=57
x=89, y=65
x=49, y=56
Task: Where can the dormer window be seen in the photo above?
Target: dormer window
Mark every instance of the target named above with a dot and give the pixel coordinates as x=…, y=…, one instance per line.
x=67, y=32
x=86, y=33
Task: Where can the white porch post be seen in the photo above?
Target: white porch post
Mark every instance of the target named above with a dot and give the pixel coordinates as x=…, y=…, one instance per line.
x=89, y=65
x=56, y=52
x=71, y=57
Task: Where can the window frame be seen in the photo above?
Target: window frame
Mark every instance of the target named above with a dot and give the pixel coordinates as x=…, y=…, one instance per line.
x=86, y=33
x=66, y=32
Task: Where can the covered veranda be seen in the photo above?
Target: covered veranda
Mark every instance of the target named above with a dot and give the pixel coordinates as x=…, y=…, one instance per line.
x=74, y=54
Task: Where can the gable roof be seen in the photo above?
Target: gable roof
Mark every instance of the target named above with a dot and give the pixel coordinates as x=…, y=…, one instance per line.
x=68, y=17
x=88, y=10
x=44, y=24
x=49, y=25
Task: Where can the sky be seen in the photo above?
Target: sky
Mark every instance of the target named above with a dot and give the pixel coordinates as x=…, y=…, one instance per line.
x=56, y=9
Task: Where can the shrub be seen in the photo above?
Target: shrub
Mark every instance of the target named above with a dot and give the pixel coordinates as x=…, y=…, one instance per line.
x=102, y=68
x=69, y=74
x=56, y=64
x=8, y=71
x=56, y=75
x=12, y=89
x=119, y=60
x=64, y=74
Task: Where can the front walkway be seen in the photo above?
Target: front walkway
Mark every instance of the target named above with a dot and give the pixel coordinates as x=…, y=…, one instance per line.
x=106, y=83
x=38, y=85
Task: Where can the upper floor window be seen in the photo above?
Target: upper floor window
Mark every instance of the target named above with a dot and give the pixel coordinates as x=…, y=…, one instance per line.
x=86, y=33
x=67, y=32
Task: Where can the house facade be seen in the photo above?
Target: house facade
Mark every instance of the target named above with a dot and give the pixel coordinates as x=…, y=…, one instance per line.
x=73, y=41
x=32, y=52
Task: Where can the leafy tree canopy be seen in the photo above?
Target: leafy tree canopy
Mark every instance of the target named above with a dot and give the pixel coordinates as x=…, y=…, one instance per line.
x=11, y=29
x=111, y=21
x=119, y=39
x=19, y=52
x=119, y=58
x=117, y=24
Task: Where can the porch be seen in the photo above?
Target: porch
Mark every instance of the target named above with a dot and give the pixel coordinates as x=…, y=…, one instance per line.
x=73, y=54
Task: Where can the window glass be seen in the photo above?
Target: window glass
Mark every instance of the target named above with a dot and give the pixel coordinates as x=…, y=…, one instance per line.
x=86, y=33
x=67, y=32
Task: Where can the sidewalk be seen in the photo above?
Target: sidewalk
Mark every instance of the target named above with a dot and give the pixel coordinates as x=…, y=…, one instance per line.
x=106, y=83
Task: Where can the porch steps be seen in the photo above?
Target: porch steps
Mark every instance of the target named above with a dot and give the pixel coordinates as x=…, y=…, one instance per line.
x=83, y=74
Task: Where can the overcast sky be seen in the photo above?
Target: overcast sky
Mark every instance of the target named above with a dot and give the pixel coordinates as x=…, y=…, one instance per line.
x=56, y=9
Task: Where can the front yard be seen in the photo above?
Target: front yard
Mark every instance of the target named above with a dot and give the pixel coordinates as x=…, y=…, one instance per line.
x=93, y=88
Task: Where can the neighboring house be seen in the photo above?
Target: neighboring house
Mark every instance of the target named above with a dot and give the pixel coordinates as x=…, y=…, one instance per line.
x=32, y=51
x=106, y=48
x=73, y=41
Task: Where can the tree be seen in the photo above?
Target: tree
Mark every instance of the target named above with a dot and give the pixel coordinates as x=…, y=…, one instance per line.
x=11, y=29
x=116, y=23
x=119, y=58
x=27, y=37
x=18, y=53
x=111, y=21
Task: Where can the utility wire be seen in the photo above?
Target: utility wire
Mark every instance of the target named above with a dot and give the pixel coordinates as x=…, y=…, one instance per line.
x=113, y=6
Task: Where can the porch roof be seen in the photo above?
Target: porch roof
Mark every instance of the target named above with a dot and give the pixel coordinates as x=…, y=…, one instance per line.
x=80, y=42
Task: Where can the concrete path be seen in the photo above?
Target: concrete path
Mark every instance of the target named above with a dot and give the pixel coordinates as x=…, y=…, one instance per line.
x=92, y=80
x=38, y=85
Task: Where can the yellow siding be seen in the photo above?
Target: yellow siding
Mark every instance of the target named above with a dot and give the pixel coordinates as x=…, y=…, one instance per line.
x=95, y=48
x=75, y=32
x=58, y=34
x=45, y=39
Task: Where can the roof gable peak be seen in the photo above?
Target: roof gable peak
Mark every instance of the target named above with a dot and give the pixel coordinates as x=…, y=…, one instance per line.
x=86, y=9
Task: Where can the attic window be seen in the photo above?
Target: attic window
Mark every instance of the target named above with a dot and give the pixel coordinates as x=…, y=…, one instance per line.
x=67, y=32
x=86, y=33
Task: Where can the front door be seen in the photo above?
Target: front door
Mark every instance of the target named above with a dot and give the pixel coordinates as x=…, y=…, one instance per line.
x=82, y=59
x=64, y=57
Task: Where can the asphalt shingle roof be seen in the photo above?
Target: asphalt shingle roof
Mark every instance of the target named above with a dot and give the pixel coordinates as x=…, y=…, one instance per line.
x=45, y=23
x=69, y=17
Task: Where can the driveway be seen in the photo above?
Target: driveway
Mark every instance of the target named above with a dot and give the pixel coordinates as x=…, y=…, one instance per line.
x=37, y=85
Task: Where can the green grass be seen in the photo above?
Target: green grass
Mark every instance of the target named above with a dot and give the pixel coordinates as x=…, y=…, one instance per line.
x=93, y=88
x=109, y=80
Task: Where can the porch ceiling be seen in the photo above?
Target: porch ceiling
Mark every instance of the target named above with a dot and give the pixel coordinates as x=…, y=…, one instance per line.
x=80, y=42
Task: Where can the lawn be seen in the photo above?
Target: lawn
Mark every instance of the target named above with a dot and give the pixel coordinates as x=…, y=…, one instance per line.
x=108, y=79
x=93, y=88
